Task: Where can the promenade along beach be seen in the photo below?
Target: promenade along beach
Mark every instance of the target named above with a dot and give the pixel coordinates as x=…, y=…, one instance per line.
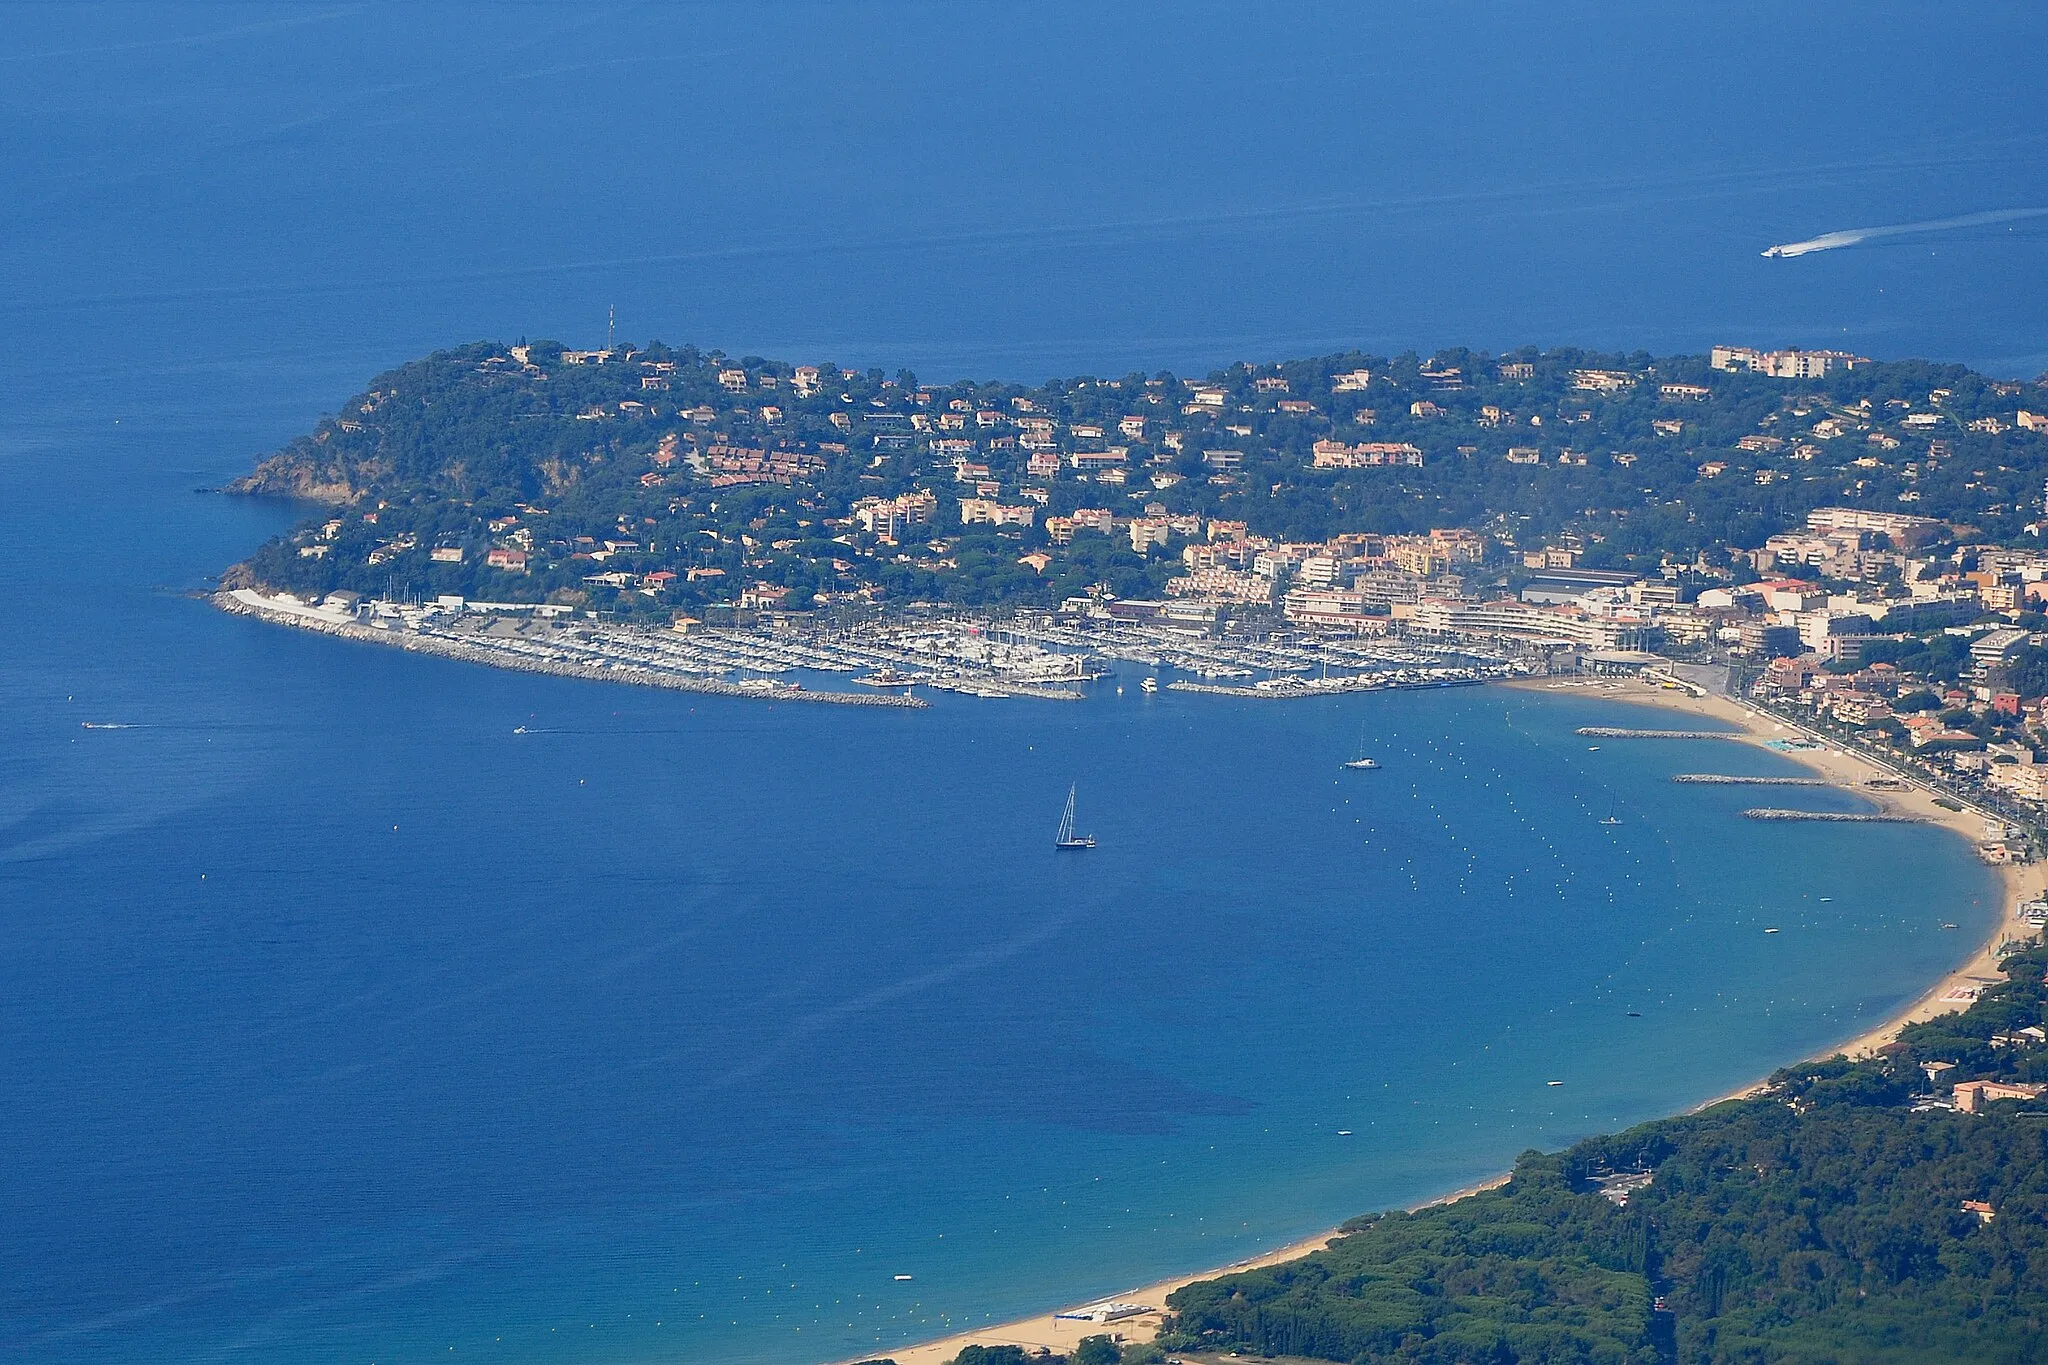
x=1136, y=1314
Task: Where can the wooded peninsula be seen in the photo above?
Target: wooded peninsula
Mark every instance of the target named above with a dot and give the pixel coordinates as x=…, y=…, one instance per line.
x=651, y=482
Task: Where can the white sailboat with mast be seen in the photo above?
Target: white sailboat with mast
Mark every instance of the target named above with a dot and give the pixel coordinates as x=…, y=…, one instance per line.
x=1066, y=838
x=1361, y=762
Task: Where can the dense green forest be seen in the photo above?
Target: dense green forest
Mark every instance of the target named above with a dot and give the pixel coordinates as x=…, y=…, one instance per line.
x=596, y=474
x=1823, y=1220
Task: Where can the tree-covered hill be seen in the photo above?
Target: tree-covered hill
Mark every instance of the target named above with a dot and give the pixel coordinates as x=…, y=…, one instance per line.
x=596, y=474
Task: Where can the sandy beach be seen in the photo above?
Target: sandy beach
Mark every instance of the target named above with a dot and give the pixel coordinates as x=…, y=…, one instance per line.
x=1843, y=769
x=2020, y=882
x=1062, y=1335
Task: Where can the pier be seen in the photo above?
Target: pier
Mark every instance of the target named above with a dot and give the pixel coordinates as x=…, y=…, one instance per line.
x=1330, y=687
x=1735, y=780
x=1830, y=816
x=1618, y=732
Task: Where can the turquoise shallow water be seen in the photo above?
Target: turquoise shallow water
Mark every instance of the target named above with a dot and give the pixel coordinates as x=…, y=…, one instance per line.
x=337, y=1023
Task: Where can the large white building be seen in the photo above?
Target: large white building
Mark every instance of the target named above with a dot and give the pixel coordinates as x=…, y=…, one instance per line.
x=1906, y=532
x=1788, y=364
x=890, y=518
x=1333, y=607
x=1520, y=621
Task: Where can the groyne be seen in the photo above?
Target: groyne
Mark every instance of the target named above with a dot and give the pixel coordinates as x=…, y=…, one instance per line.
x=1738, y=780
x=1620, y=732
x=1838, y=817
x=1330, y=688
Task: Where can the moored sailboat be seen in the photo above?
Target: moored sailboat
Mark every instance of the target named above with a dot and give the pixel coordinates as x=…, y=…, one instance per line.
x=1361, y=762
x=1066, y=838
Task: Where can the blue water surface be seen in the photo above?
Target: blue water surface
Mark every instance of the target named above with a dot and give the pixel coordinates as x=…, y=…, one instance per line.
x=340, y=1023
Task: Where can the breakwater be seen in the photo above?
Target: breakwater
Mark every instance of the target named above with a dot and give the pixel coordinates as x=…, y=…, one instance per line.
x=1739, y=780
x=241, y=604
x=977, y=688
x=1831, y=816
x=1331, y=687
x=1620, y=732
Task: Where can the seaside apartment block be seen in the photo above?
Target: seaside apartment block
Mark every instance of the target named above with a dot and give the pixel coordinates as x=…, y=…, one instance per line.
x=1786, y=364
x=1905, y=532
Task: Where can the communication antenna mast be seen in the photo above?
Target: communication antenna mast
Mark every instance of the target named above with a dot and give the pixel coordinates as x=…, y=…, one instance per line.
x=611, y=328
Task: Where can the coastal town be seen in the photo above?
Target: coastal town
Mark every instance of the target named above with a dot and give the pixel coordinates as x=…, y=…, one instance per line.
x=1854, y=545
x=1025, y=685
x=677, y=487
x=1888, y=631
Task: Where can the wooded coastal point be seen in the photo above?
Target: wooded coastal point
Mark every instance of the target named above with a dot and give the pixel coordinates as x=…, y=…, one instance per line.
x=671, y=485
x=1295, y=528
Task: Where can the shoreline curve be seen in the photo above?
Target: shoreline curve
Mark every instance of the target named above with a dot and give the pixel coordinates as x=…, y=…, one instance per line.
x=1840, y=769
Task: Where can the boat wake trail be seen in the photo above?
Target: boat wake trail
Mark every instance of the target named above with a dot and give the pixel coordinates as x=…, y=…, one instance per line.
x=1828, y=241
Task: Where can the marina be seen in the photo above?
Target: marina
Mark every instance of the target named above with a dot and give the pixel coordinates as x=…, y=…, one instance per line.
x=877, y=663
x=1207, y=656
x=562, y=658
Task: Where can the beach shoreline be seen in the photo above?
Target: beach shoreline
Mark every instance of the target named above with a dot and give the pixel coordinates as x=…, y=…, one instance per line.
x=1851, y=772
x=1848, y=771
x=1060, y=1335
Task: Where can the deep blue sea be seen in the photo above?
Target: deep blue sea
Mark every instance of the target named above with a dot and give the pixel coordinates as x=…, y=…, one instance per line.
x=340, y=1023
